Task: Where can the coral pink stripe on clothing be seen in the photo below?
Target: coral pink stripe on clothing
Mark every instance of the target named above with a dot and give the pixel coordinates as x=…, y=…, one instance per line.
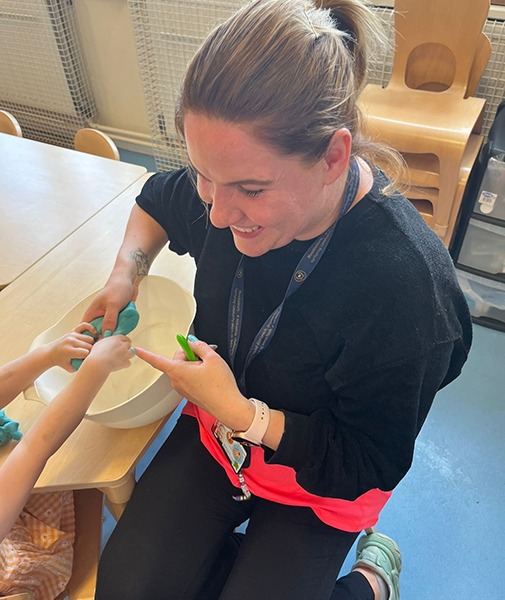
x=278, y=484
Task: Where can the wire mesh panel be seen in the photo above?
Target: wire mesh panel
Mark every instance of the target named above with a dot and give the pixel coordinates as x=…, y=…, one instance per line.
x=168, y=32
x=492, y=83
x=43, y=82
x=382, y=64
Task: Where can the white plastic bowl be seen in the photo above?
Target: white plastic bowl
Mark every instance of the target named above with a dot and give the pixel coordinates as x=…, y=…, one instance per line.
x=140, y=394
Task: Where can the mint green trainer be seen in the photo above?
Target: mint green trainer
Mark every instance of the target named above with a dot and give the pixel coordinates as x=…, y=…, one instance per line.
x=380, y=554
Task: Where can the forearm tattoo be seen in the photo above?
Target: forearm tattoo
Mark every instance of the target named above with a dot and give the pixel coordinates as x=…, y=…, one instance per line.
x=141, y=260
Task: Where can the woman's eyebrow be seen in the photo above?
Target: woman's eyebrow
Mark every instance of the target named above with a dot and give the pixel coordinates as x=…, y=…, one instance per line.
x=260, y=182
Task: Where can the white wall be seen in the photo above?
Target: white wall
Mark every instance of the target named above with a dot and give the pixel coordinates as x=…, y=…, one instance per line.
x=109, y=48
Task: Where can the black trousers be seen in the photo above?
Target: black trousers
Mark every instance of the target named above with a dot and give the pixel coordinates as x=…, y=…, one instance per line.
x=175, y=539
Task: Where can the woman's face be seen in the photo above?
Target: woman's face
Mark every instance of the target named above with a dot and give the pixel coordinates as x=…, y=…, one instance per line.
x=265, y=198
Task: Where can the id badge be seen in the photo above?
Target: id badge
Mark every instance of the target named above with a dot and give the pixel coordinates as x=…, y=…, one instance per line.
x=235, y=452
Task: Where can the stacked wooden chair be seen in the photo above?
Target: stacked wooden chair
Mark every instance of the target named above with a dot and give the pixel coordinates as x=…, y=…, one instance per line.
x=428, y=111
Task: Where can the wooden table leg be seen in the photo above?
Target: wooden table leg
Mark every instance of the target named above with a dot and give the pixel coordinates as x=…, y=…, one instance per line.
x=88, y=506
x=116, y=498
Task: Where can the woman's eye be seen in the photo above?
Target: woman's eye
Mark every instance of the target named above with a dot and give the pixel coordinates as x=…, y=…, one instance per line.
x=251, y=193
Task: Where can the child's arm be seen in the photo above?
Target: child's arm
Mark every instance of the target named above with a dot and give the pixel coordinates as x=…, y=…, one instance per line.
x=25, y=463
x=22, y=372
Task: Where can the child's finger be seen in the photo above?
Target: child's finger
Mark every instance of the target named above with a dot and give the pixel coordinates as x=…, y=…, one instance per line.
x=85, y=327
x=83, y=341
x=80, y=352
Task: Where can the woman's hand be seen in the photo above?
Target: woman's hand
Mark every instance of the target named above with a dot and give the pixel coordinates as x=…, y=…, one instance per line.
x=112, y=353
x=110, y=300
x=143, y=240
x=74, y=344
x=208, y=383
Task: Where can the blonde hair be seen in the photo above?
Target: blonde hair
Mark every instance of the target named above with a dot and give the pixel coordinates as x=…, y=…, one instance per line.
x=293, y=72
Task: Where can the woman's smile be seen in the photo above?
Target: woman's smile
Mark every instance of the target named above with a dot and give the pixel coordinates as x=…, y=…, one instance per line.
x=265, y=198
x=245, y=231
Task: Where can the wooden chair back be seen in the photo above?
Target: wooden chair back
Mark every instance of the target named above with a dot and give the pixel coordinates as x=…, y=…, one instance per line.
x=480, y=60
x=93, y=141
x=432, y=74
x=9, y=124
x=433, y=56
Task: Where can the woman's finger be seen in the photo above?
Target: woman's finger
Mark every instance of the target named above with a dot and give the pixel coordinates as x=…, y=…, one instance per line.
x=180, y=355
x=155, y=360
x=201, y=349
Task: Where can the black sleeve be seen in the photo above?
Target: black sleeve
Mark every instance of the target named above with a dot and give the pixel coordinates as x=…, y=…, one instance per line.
x=170, y=198
x=406, y=334
x=365, y=438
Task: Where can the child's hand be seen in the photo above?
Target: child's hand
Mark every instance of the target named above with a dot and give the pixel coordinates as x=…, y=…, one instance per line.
x=74, y=344
x=112, y=353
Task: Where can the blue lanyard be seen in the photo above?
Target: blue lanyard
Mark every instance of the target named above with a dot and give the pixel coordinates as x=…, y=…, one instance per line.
x=305, y=266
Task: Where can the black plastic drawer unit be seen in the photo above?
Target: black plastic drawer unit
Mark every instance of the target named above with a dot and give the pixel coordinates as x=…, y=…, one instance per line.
x=483, y=248
x=491, y=200
x=485, y=297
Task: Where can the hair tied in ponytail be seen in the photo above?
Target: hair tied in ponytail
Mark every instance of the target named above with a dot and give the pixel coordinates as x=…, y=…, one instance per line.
x=309, y=22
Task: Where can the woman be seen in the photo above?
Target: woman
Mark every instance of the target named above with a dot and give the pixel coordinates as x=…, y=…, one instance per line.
x=335, y=311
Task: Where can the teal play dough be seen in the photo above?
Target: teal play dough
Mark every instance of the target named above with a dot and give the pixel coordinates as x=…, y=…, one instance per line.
x=127, y=320
x=9, y=429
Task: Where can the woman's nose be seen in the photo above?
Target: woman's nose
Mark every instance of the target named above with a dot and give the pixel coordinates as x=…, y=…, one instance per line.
x=223, y=209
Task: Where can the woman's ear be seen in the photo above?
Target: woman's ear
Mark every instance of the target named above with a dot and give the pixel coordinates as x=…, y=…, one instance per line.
x=337, y=155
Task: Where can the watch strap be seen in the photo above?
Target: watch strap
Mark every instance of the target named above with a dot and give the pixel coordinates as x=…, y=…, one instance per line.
x=257, y=429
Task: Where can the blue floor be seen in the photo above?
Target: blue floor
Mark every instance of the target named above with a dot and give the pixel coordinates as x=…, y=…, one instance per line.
x=448, y=514
x=138, y=159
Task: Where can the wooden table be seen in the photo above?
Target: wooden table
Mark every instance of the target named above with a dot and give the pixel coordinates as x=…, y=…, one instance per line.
x=46, y=193
x=94, y=456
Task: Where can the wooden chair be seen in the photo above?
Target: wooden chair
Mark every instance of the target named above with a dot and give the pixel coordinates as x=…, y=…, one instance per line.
x=425, y=196
x=93, y=141
x=9, y=124
x=424, y=183
x=428, y=108
x=424, y=170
